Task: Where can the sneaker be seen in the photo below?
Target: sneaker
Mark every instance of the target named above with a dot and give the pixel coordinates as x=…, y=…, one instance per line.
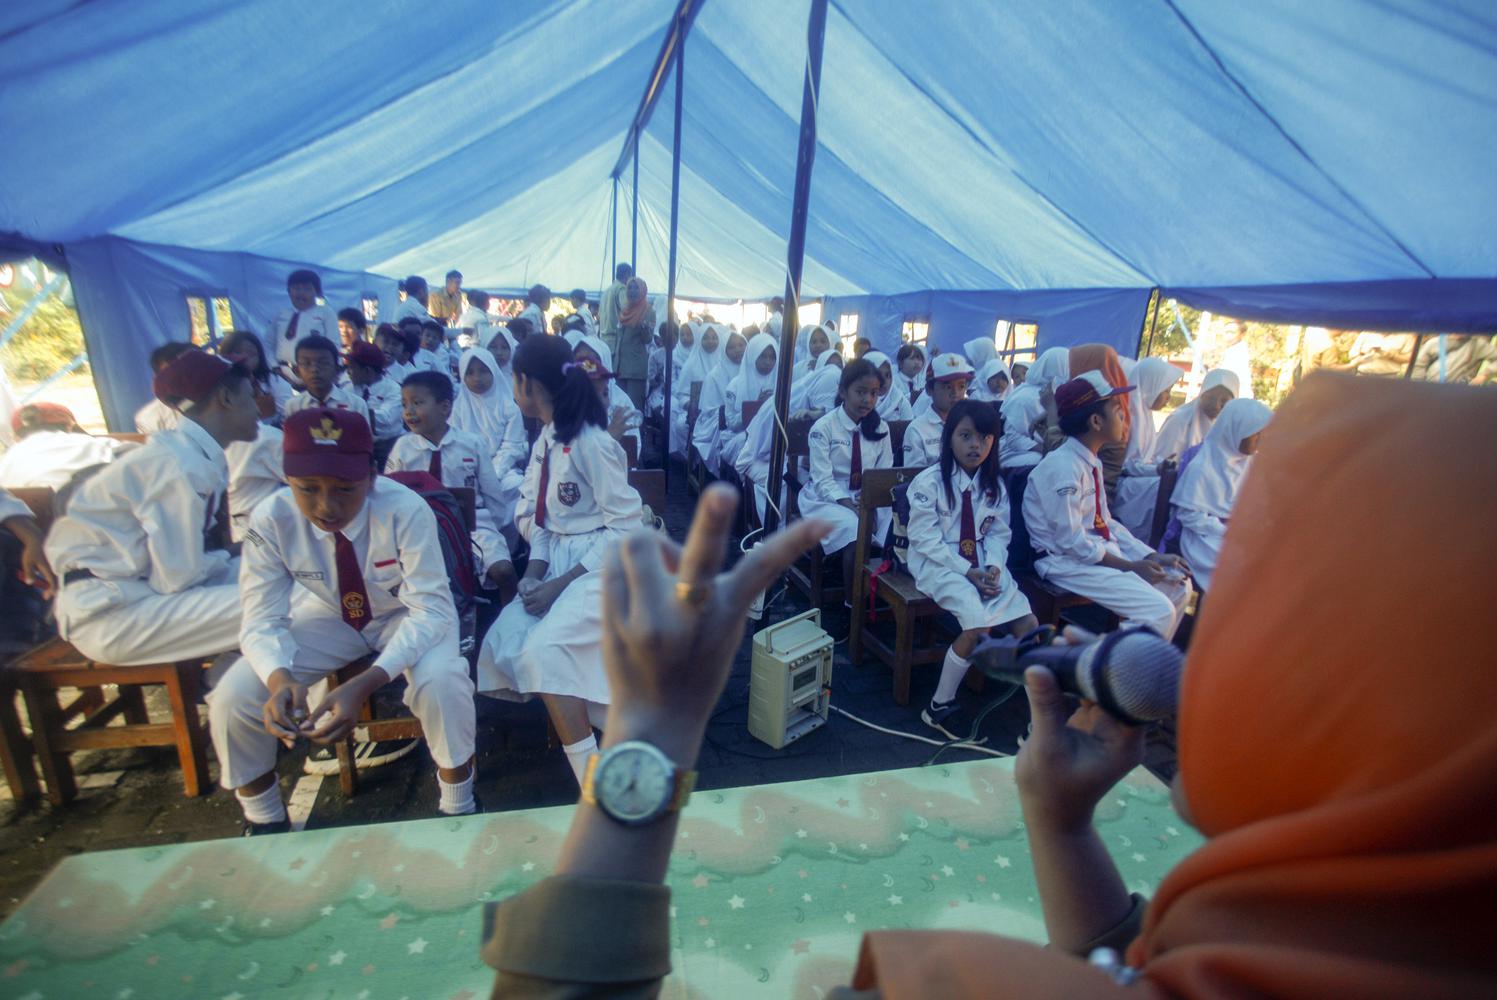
x=260, y=829
x=950, y=720
x=324, y=759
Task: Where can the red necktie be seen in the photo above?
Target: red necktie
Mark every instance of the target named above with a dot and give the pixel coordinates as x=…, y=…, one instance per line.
x=291, y=326
x=855, y=477
x=540, y=496
x=351, y=594
x=1098, y=521
x=436, y=465
x=968, y=544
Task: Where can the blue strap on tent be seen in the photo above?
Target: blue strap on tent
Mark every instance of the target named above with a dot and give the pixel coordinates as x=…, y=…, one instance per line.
x=14, y=326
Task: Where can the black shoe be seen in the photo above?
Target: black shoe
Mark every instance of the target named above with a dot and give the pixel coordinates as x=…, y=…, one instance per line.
x=324, y=759
x=950, y=720
x=260, y=829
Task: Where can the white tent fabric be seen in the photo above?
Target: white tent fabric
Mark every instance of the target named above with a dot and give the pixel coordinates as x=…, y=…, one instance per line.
x=1278, y=157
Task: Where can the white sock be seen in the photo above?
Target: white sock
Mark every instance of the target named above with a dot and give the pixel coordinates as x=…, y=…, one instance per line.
x=953, y=669
x=267, y=807
x=578, y=753
x=597, y=714
x=457, y=798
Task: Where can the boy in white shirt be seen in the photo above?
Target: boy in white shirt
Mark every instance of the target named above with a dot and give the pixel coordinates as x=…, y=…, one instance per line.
x=391, y=343
x=381, y=394
x=317, y=363
x=341, y=565
x=352, y=328
x=139, y=581
x=51, y=448
x=946, y=384
x=1078, y=544
x=156, y=415
x=305, y=318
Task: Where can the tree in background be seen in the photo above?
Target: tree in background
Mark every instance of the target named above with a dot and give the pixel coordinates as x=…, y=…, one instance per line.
x=51, y=336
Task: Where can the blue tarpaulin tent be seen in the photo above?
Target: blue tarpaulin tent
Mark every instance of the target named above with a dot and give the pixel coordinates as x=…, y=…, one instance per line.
x=1048, y=161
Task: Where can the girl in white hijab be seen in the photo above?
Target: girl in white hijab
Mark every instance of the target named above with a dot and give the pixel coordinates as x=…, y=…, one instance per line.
x=698, y=365
x=982, y=387
x=980, y=351
x=1187, y=426
x=501, y=344
x=482, y=407
x=708, y=433
x=1138, y=489
x=819, y=390
x=1027, y=409
x=892, y=403
x=755, y=382
x=1208, y=487
x=624, y=419
x=810, y=344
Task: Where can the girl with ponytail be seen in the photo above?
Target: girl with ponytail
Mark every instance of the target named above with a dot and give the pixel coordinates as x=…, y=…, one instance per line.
x=844, y=444
x=575, y=502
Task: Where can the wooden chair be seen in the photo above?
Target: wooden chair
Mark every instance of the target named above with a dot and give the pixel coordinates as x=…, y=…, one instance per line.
x=751, y=410
x=631, y=451
x=130, y=436
x=808, y=572
x=696, y=468
x=896, y=437
x=650, y=485
x=1169, y=475
x=910, y=608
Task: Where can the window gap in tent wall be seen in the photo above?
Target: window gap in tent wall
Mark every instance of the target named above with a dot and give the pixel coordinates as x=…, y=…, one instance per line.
x=847, y=332
x=371, y=308
x=209, y=317
x=916, y=330
x=1016, y=341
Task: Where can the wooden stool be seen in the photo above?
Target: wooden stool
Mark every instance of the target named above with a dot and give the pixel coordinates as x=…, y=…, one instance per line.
x=369, y=729
x=42, y=672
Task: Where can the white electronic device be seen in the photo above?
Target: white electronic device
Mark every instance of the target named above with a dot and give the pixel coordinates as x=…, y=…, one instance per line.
x=790, y=685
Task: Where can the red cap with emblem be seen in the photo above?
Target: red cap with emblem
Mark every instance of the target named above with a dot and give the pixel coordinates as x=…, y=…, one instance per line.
x=323, y=442
x=1084, y=390
x=189, y=378
x=42, y=416
x=365, y=353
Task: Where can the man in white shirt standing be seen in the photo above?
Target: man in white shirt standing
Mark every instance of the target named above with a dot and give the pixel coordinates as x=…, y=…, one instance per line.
x=581, y=311
x=414, y=303
x=1078, y=545
x=144, y=577
x=538, y=300
x=305, y=318
x=341, y=565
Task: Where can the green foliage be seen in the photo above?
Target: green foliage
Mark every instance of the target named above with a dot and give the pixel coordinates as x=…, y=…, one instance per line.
x=48, y=340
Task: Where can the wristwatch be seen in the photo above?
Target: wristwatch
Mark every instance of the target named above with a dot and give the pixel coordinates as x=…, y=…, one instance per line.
x=635, y=783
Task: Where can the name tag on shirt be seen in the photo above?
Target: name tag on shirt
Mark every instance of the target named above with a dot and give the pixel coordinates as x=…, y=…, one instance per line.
x=300, y=574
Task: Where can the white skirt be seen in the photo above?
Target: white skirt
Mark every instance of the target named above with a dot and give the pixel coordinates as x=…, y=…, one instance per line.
x=957, y=596
x=1201, y=552
x=561, y=653
x=1137, y=496
x=844, y=521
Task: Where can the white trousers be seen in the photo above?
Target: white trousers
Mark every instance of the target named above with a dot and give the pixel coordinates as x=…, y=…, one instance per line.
x=438, y=691
x=127, y=623
x=1126, y=595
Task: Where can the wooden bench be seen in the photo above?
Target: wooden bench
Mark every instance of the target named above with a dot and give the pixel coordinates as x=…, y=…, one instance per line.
x=650, y=485
x=910, y=608
x=132, y=437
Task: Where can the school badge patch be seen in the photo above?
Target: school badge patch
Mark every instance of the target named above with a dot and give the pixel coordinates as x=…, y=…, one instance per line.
x=353, y=605
x=987, y=523
x=569, y=493
x=968, y=548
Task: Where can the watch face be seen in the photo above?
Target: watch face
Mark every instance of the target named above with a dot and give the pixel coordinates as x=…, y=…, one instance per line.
x=633, y=785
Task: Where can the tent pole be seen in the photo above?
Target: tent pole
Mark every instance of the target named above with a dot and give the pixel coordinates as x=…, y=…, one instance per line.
x=613, y=233
x=634, y=216
x=1153, y=319
x=670, y=293
x=805, y=159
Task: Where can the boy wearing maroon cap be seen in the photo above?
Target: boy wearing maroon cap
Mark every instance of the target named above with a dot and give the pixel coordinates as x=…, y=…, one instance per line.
x=341, y=565
x=139, y=553
x=1077, y=542
x=380, y=393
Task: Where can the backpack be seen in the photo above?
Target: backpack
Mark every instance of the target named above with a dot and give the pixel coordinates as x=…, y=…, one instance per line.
x=457, y=549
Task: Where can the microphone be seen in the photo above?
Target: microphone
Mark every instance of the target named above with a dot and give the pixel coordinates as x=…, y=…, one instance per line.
x=1134, y=674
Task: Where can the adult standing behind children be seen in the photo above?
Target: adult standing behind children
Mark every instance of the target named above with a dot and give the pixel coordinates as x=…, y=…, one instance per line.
x=446, y=305
x=635, y=332
x=305, y=318
x=414, y=303
x=537, y=301
x=612, y=303
x=140, y=583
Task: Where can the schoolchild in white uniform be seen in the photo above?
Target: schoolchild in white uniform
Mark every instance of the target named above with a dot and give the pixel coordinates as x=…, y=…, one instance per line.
x=893, y=404
x=420, y=359
x=1079, y=545
x=946, y=383
x=51, y=448
x=910, y=363
x=752, y=461
x=486, y=407
x=254, y=466
x=459, y=458
x=818, y=391
x=391, y=343
x=434, y=342
x=1029, y=412
x=367, y=380
x=754, y=384
x=243, y=348
x=844, y=444
x=578, y=502
x=1207, y=491
x=1138, y=487
x=139, y=584
x=502, y=346
x=304, y=319
x=413, y=306
x=341, y=565
x=318, y=363
x=711, y=424
x=700, y=360
x=811, y=342
x=352, y=328
x=1187, y=426
x=979, y=351
x=959, y=532
x=992, y=382
x=623, y=419
x=155, y=415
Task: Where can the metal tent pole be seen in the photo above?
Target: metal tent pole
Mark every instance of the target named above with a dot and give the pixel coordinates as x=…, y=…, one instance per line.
x=613, y=234
x=670, y=293
x=634, y=216
x=805, y=159
x=1153, y=319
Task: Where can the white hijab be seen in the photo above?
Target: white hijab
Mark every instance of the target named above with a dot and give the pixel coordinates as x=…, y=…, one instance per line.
x=747, y=386
x=986, y=371
x=1211, y=480
x=699, y=363
x=506, y=373
x=1188, y=426
x=819, y=392
x=980, y=351
x=1023, y=407
x=1152, y=376
x=486, y=414
x=715, y=389
x=598, y=347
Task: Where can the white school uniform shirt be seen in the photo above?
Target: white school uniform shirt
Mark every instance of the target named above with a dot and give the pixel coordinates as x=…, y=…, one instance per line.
x=51, y=458
x=256, y=470
x=146, y=514
x=1062, y=502
x=397, y=371
x=319, y=319
x=935, y=528
x=156, y=416
x=382, y=398
x=537, y=319
x=922, y=439
x=587, y=491
x=400, y=558
x=430, y=361
x=338, y=398
x=473, y=317
x=467, y=462
x=411, y=306
x=830, y=448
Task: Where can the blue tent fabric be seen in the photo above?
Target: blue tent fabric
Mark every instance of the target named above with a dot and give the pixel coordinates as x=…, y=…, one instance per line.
x=1324, y=162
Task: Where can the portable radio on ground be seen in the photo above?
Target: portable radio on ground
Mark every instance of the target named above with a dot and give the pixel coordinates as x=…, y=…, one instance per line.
x=790, y=685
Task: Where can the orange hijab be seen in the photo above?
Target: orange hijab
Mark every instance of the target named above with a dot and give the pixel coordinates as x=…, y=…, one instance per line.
x=1338, y=728
x=1101, y=358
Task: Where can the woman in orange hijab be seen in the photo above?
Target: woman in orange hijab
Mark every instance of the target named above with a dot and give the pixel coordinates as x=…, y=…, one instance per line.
x=1343, y=765
x=1101, y=358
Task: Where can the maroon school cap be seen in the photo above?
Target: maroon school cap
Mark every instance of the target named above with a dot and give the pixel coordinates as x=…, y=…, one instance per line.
x=324, y=442
x=364, y=353
x=190, y=377
x=37, y=416
x=1084, y=390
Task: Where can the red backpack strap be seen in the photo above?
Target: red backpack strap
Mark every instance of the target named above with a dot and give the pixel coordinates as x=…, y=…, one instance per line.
x=883, y=568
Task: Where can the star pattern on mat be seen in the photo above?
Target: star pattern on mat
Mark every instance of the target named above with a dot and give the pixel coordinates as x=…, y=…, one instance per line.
x=236, y=995
x=1139, y=857
x=701, y=881
x=528, y=866
x=850, y=917
x=710, y=943
x=904, y=837
x=327, y=911
x=416, y=947
x=805, y=897
x=208, y=904
x=948, y=871
x=737, y=902
x=1002, y=861
x=896, y=900
x=801, y=834
x=337, y=957
x=125, y=994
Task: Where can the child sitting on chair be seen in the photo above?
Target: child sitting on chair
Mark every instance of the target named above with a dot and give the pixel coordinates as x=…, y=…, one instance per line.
x=341, y=565
x=155, y=415
x=959, y=532
x=51, y=448
x=318, y=364
x=1207, y=491
x=946, y=385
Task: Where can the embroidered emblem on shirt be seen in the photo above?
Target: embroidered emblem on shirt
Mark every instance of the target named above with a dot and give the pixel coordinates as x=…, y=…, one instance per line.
x=920, y=498
x=353, y=604
x=326, y=433
x=1066, y=491
x=569, y=493
x=987, y=523
x=968, y=547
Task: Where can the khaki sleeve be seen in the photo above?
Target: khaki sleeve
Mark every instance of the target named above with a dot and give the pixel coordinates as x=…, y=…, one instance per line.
x=573, y=937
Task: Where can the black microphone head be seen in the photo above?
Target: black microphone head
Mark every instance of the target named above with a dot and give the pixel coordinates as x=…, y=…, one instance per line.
x=1134, y=674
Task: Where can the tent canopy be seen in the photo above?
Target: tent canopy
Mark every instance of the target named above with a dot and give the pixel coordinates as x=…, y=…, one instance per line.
x=1016, y=150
